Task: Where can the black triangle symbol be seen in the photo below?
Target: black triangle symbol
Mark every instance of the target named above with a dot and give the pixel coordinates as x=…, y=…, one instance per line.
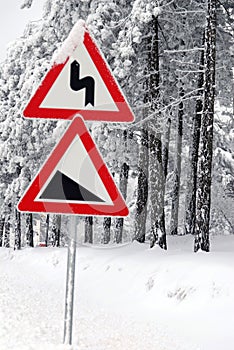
x=61, y=187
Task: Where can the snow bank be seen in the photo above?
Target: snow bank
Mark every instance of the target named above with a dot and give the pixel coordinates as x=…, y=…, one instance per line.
x=127, y=297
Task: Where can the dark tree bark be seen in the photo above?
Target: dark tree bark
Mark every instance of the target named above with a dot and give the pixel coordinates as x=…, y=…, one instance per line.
x=158, y=230
x=56, y=230
x=29, y=230
x=17, y=230
x=206, y=145
x=177, y=172
x=142, y=188
x=165, y=151
x=2, y=224
x=47, y=229
x=6, y=242
x=190, y=203
x=156, y=176
x=123, y=184
x=106, y=230
x=88, y=229
x=106, y=235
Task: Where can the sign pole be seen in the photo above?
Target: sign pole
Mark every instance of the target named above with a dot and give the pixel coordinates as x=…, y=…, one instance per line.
x=70, y=282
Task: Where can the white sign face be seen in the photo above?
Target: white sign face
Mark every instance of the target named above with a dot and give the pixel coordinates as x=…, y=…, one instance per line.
x=81, y=83
x=78, y=79
x=75, y=179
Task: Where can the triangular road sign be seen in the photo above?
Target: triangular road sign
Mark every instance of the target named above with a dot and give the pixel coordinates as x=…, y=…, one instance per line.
x=82, y=84
x=74, y=180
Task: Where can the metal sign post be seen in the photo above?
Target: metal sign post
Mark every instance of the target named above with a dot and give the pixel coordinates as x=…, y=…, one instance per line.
x=70, y=282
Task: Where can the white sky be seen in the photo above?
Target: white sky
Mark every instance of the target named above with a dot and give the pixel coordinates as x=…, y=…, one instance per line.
x=13, y=21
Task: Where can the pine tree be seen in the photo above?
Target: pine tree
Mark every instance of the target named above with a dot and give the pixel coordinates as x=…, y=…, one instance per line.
x=2, y=224
x=56, y=230
x=165, y=151
x=206, y=147
x=190, y=203
x=142, y=187
x=88, y=229
x=47, y=229
x=156, y=175
x=177, y=170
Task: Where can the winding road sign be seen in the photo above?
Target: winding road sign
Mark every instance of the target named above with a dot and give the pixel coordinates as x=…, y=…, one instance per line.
x=82, y=84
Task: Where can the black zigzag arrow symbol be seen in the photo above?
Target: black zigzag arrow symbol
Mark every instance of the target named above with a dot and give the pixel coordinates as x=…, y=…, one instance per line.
x=86, y=83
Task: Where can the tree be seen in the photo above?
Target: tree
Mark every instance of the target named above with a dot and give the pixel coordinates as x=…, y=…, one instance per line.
x=56, y=230
x=123, y=183
x=47, y=229
x=156, y=174
x=177, y=171
x=190, y=203
x=165, y=151
x=206, y=146
x=2, y=224
x=88, y=229
x=142, y=187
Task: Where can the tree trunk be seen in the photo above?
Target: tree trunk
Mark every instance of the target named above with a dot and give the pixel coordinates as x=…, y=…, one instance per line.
x=2, y=224
x=177, y=172
x=156, y=176
x=88, y=229
x=47, y=229
x=123, y=184
x=17, y=230
x=165, y=151
x=7, y=233
x=56, y=230
x=142, y=188
x=105, y=239
x=206, y=145
x=190, y=203
x=29, y=230
x=158, y=231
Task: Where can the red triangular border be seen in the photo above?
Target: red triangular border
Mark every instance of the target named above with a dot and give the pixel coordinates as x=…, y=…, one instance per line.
x=124, y=113
x=28, y=202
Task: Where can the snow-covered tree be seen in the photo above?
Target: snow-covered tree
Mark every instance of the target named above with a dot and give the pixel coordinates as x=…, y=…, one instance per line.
x=206, y=145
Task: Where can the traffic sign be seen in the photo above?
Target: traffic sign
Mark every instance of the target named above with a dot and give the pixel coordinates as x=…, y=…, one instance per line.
x=74, y=180
x=82, y=84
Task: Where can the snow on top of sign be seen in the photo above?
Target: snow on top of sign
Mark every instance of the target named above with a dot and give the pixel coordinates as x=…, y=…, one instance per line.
x=75, y=37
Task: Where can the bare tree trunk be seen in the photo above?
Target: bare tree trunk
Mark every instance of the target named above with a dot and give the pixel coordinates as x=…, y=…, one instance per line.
x=158, y=230
x=206, y=145
x=88, y=229
x=56, y=230
x=29, y=230
x=165, y=151
x=177, y=172
x=105, y=239
x=190, y=203
x=123, y=184
x=156, y=176
x=7, y=232
x=142, y=188
x=17, y=230
x=47, y=229
x=2, y=224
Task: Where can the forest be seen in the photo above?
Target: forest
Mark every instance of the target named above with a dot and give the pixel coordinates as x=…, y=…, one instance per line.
x=174, y=165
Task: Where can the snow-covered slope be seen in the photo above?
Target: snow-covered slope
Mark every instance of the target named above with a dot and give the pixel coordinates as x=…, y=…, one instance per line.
x=127, y=297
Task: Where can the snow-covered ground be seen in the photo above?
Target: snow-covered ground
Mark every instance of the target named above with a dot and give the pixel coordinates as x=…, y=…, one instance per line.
x=127, y=297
